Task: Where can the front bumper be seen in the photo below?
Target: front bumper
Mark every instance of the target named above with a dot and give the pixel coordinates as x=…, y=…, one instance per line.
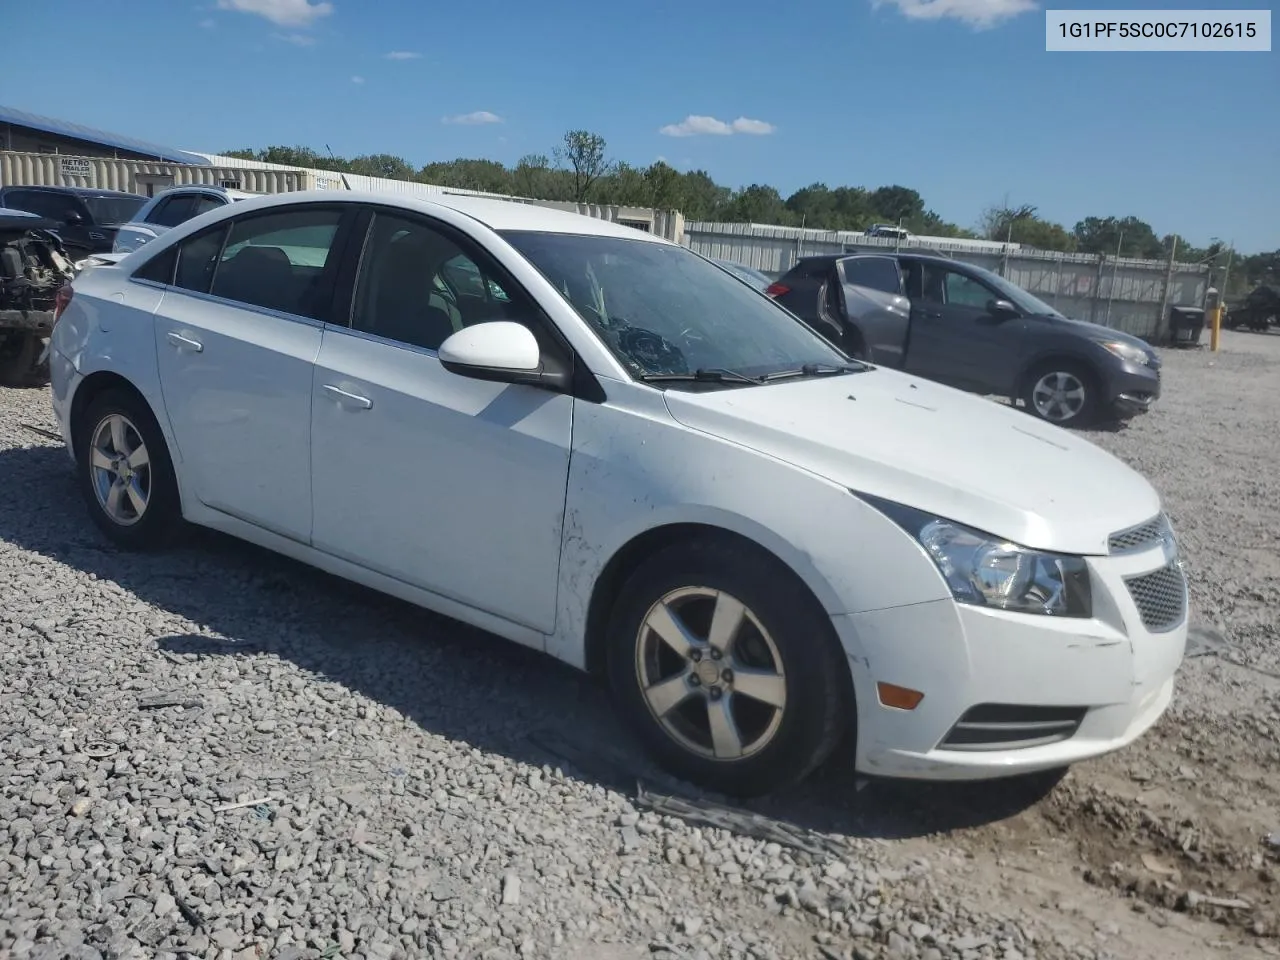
x=1058, y=690
x=1132, y=389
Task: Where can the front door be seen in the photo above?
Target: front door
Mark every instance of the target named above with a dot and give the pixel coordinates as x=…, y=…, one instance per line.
x=450, y=484
x=955, y=336
x=237, y=334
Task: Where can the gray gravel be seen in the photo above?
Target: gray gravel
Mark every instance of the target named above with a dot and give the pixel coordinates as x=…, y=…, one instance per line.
x=218, y=753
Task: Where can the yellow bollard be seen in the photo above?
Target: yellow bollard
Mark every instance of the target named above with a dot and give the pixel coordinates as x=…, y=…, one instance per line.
x=1213, y=316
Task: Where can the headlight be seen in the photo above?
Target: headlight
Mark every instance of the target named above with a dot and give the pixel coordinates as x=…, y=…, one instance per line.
x=986, y=571
x=1126, y=351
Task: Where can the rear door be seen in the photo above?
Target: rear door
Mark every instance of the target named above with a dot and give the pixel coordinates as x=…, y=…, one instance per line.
x=237, y=335
x=807, y=291
x=870, y=297
x=955, y=337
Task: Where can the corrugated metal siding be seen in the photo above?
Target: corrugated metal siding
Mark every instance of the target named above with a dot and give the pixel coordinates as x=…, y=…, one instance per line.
x=40, y=169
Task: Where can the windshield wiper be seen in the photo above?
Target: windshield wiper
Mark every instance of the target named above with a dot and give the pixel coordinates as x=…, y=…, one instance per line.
x=817, y=370
x=703, y=375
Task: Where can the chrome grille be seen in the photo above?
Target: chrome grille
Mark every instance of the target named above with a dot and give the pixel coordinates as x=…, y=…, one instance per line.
x=1141, y=537
x=1161, y=597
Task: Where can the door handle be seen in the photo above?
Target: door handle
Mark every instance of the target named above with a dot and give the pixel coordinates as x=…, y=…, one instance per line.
x=347, y=399
x=179, y=341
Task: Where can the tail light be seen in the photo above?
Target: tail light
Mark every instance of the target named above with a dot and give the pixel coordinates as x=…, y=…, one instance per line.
x=776, y=289
x=61, y=299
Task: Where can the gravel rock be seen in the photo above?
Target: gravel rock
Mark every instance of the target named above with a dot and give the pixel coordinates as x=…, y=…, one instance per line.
x=413, y=802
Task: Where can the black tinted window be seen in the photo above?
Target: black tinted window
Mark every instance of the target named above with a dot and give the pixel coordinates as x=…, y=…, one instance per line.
x=51, y=205
x=171, y=211
x=196, y=260
x=877, y=273
x=277, y=261
x=418, y=286
x=158, y=269
x=204, y=203
x=114, y=209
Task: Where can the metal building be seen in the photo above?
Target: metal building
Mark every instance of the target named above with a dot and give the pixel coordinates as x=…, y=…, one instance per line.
x=25, y=132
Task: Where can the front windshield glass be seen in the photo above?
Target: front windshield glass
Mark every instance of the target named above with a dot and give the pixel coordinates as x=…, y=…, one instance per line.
x=663, y=310
x=1017, y=296
x=113, y=209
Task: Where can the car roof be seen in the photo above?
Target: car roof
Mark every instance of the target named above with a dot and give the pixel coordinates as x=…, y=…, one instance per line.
x=205, y=188
x=78, y=191
x=498, y=215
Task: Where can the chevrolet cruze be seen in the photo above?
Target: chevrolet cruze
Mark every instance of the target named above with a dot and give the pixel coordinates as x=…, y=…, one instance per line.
x=592, y=441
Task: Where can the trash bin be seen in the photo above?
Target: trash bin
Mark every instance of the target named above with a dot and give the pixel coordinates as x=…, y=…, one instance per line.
x=1185, y=325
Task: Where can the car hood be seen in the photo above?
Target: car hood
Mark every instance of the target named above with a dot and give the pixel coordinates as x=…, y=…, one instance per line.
x=1088, y=329
x=953, y=454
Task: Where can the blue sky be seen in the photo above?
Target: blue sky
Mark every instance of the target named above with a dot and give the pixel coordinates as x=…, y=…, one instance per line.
x=864, y=92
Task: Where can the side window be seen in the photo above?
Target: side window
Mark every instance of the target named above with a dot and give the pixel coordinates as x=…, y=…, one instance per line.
x=876, y=273
x=158, y=269
x=203, y=204
x=197, y=258
x=50, y=205
x=933, y=285
x=277, y=261
x=964, y=291
x=172, y=211
x=418, y=286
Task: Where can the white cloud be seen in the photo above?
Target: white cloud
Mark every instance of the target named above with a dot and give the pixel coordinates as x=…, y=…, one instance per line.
x=297, y=39
x=357, y=80
x=402, y=55
x=977, y=13
x=473, y=119
x=694, y=126
x=283, y=13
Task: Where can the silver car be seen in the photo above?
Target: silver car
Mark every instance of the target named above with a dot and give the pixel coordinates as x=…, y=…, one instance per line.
x=168, y=209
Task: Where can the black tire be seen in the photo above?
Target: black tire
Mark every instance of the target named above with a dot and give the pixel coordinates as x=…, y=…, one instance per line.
x=160, y=521
x=19, y=356
x=818, y=707
x=1089, y=410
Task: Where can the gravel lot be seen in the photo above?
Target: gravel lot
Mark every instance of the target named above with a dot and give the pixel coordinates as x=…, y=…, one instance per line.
x=333, y=773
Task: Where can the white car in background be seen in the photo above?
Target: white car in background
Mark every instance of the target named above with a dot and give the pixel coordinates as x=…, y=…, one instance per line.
x=168, y=209
x=614, y=451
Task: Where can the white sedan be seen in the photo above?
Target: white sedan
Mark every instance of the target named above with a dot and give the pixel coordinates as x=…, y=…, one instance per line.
x=595, y=442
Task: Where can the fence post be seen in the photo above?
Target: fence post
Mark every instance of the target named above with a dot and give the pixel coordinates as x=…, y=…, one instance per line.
x=1164, y=297
x=1097, y=288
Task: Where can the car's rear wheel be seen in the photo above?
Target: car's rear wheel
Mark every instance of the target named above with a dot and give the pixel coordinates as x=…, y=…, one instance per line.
x=727, y=668
x=1063, y=393
x=125, y=473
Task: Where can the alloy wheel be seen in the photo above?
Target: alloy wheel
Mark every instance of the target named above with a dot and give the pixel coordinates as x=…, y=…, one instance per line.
x=120, y=469
x=710, y=673
x=1058, y=396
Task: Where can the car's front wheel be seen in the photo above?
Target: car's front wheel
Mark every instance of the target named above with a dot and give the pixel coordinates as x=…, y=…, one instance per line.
x=1062, y=393
x=125, y=474
x=727, y=668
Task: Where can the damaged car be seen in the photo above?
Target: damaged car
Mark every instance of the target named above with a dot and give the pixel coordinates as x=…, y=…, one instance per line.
x=33, y=268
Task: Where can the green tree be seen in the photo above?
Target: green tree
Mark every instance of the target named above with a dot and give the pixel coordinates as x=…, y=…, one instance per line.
x=1023, y=225
x=1129, y=236
x=896, y=203
x=663, y=181
x=583, y=151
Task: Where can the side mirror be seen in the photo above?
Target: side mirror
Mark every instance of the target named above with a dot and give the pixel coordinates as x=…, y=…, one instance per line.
x=499, y=351
x=73, y=217
x=1002, y=309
